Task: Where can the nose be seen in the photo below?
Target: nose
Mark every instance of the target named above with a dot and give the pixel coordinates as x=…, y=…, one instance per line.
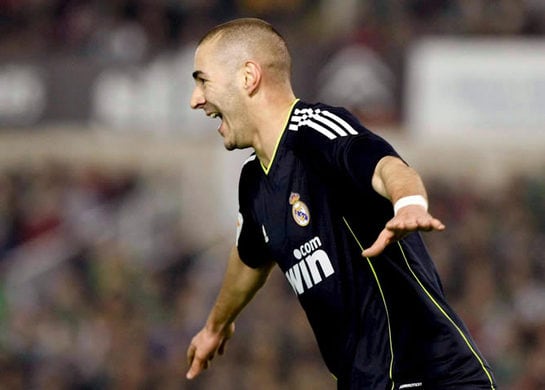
x=197, y=98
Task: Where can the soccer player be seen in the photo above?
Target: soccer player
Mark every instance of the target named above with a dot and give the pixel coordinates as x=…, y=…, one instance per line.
x=339, y=211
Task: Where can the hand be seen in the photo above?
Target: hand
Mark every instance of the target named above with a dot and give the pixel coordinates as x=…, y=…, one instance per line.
x=203, y=348
x=408, y=219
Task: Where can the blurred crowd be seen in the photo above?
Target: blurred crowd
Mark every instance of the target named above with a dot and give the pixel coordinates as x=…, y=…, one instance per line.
x=371, y=36
x=101, y=285
x=99, y=289
x=492, y=262
x=85, y=27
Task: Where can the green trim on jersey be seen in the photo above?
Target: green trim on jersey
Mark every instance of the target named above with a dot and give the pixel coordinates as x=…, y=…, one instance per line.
x=390, y=373
x=434, y=301
x=267, y=169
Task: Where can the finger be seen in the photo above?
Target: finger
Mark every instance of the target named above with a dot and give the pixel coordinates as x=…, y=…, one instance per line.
x=197, y=366
x=437, y=224
x=197, y=363
x=190, y=355
x=429, y=224
x=221, y=349
x=402, y=224
x=384, y=238
x=409, y=225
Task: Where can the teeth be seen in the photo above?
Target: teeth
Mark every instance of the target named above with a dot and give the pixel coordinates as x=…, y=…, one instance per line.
x=213, y=115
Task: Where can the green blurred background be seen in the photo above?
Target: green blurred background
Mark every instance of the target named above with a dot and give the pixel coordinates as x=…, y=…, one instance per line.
x=118, y=203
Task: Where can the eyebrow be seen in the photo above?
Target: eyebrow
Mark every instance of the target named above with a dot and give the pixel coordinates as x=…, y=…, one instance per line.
x=197, y=74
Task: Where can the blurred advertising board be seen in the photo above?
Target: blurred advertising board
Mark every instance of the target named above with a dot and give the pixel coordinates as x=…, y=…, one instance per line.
x=148, y=97
x=462, y=86
x=43, y=91
x=22, y=94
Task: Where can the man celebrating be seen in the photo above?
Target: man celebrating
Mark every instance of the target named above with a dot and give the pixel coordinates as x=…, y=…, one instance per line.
x=336, y=208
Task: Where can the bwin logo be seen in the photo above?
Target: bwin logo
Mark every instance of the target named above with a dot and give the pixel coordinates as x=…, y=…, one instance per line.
x=306, y=273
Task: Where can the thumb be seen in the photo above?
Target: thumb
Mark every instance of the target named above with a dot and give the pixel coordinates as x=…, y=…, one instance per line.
x=384, y=238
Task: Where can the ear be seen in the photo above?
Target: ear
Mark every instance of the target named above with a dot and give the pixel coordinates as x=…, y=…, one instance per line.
x=252, y=77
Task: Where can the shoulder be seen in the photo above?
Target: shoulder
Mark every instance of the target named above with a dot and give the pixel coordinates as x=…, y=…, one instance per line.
x=250, y=167
x=250, y=163
x=332, y=137
x=249, y=172
x=323, y=121
x=324, y=133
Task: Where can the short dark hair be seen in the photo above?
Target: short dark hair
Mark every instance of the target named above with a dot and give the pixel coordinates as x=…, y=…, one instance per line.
x=259, y=38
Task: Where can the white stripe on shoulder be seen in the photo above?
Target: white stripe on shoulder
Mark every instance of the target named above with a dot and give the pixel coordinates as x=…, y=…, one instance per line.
x=329, y=123
x=323, y=121
x=341, y=121
x=320, y=129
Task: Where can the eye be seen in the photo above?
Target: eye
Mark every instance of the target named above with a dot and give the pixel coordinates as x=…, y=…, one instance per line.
x=200, y=82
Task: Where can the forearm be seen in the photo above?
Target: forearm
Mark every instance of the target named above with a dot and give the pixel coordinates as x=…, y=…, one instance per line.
x=239, y=286
x=394, y=180
x=403, y=186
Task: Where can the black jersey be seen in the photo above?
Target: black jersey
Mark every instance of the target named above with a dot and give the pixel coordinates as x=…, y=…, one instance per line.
x=380, y=323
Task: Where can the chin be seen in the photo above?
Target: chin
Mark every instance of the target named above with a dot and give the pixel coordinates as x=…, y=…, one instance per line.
x=234, y=146
x=229, y=145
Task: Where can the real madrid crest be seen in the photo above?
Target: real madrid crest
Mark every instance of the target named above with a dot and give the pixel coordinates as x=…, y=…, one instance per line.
x=299, y=210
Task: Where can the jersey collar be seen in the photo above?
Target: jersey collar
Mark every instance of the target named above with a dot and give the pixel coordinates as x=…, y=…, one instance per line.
x=266, y=169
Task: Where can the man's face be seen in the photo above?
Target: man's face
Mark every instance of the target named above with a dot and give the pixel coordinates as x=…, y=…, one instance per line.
x=219, y=95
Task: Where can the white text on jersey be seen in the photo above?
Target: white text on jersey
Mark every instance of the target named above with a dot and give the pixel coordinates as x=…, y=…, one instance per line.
x=311, y=269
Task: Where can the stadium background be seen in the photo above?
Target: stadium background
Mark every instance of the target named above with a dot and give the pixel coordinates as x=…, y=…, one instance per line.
x=117, y=203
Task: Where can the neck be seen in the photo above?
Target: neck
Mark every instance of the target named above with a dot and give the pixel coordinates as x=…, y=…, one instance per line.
x=271, y=126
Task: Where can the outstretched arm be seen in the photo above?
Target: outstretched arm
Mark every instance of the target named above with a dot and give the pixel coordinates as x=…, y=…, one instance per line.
x=396, y=181
x=239, y=286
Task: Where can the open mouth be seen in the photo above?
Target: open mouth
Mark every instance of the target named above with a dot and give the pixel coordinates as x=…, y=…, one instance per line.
x=216, y=115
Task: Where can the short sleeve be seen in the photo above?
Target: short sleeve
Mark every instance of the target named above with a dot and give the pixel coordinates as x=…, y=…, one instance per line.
x=250, y=240
x=335, y=142
x=250, y=243
x=362, y=154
